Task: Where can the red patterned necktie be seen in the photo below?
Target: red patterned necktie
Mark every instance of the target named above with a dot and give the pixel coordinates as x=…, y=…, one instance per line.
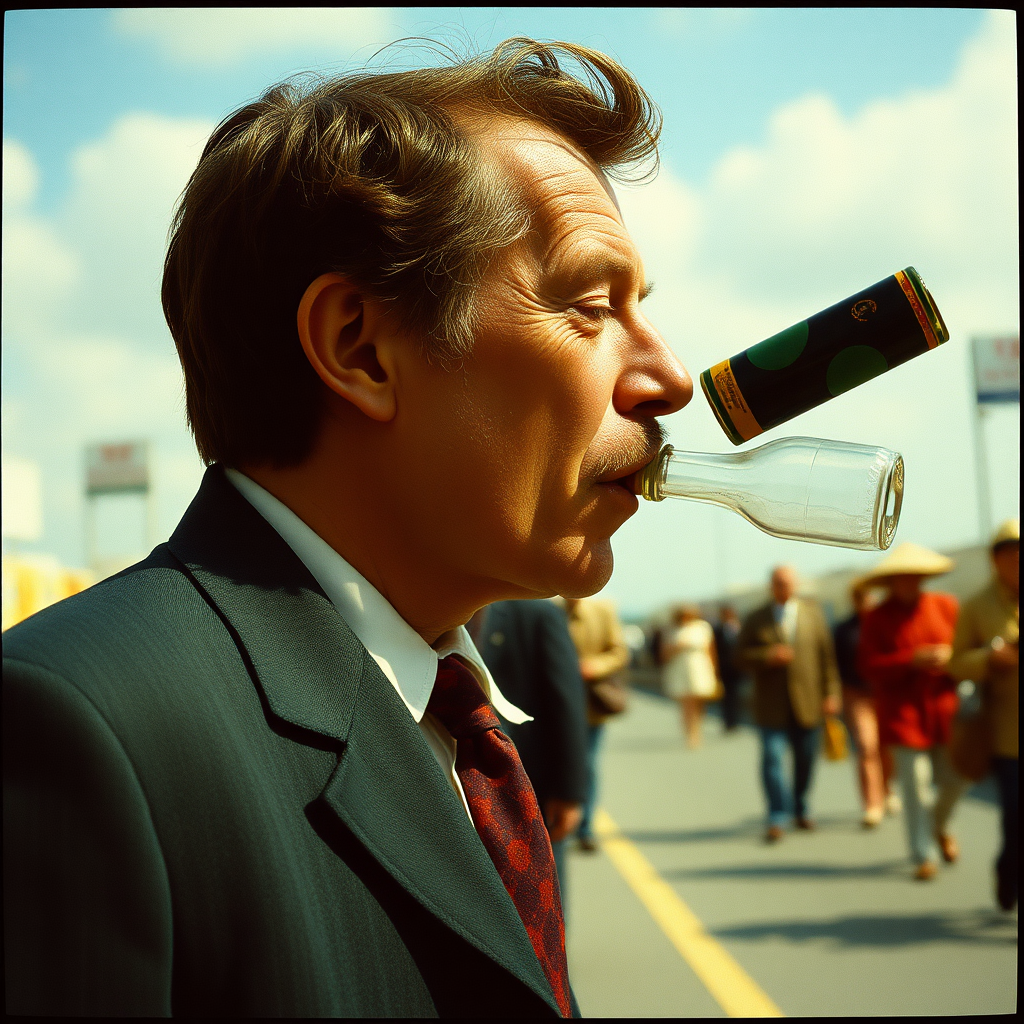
x=506, y=815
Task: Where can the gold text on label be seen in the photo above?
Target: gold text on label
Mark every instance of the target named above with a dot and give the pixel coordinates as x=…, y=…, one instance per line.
x=863, y=309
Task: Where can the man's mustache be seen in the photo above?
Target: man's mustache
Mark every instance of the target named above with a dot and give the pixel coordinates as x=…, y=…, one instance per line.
x=637, y=448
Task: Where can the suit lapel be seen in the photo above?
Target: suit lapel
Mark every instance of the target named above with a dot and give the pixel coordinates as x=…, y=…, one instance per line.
x=391, y=793
x=800, y=625
x=773, y=628
x=315, y=674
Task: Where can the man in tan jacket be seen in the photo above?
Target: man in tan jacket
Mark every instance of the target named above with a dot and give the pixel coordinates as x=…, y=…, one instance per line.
x=787, y=647
x=597, y=634
x=986, y=650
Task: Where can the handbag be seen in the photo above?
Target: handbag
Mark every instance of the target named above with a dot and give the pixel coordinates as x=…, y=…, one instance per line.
x=607, y=696
x=835, y=742
x=970, y=745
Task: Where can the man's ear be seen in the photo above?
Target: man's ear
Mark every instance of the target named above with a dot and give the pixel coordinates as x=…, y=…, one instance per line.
x=347, y=341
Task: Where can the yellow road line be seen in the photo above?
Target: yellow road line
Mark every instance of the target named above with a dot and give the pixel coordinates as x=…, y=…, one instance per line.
x=734, y=990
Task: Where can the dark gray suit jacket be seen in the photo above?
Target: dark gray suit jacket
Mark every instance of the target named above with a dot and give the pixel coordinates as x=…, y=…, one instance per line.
x=216, y=804
x=528, y=649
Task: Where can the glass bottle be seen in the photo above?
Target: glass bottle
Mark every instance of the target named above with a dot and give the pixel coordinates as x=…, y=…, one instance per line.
x=797, y=488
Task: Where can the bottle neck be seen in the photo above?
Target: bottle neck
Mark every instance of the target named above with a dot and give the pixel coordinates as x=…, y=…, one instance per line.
x=699, y=476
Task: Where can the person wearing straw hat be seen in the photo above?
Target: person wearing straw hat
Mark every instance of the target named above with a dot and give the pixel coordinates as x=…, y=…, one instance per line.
x=986, y=650
x=905, y=648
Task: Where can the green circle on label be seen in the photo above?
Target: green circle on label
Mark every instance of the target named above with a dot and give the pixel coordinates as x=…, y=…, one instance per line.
x=780, y=349
x=853, y=366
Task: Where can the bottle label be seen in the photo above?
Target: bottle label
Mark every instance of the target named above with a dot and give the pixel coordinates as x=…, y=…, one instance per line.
x=915, y=305
x=731, y=404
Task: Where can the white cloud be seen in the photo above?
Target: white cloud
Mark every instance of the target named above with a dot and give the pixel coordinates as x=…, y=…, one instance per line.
x=108, y=387
x=21, y=176
x=38, y=268
x=125, y=186
x=37, y=264
x=222, y=36
x=98, y=260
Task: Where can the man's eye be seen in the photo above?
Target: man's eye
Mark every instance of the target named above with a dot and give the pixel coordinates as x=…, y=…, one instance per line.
x=595, y=313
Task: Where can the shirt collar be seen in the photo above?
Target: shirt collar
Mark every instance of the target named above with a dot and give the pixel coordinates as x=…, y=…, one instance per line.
x=405, y=658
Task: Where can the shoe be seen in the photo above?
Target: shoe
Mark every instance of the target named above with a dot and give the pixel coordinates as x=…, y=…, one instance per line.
x=893, y=804
x=927, y=871
x=774, y=834
x=806, y=824
x=588, y=844
x=872, y=817
x=948, y=847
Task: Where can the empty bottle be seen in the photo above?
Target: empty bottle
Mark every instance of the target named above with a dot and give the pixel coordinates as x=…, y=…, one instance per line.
x=797, y=488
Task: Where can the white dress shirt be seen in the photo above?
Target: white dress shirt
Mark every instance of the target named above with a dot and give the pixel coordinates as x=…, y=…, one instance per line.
x=405, y=658
x=785, y=618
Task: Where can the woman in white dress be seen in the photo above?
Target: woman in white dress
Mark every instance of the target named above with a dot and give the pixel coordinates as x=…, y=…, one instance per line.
x=691, y=669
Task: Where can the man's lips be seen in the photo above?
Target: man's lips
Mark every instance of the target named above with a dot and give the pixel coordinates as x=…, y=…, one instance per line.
x=628, y=479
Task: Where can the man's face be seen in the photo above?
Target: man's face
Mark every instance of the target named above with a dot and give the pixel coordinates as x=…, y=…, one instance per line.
x=906, y=588
x=783, y=584
x=556, y=400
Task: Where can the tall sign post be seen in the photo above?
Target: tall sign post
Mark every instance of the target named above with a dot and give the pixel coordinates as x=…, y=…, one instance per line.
x=996, y=381
x=121, y=468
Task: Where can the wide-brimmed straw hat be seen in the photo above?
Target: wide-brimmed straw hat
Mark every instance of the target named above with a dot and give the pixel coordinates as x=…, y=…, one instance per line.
x=909, y=560
x=1008, y=533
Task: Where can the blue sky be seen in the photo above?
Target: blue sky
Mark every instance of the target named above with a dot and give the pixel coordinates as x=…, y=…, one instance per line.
x=806, y=154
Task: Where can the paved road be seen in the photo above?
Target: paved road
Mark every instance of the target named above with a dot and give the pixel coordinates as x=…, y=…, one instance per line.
x=828, y=923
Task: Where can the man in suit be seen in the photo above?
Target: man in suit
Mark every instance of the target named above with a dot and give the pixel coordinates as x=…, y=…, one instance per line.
x=527, y=647
x=260, y=773
x=787, y=647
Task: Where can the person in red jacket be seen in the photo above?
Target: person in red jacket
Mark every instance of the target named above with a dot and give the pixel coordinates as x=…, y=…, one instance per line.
x=905, y=647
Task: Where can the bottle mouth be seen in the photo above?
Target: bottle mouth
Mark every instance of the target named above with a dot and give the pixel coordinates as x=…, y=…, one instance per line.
x=891, y=503
x=650, y=479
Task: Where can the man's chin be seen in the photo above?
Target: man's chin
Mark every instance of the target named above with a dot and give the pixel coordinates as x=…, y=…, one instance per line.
x=589, y=572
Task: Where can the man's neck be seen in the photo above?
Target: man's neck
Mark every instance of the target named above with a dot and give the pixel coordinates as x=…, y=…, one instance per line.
x=368, y=530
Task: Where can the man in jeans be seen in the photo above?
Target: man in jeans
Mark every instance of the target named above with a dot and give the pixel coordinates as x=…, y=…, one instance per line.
x=787, y=646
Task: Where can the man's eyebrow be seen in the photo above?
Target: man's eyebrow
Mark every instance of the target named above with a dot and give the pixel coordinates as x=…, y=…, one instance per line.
x=601, y=267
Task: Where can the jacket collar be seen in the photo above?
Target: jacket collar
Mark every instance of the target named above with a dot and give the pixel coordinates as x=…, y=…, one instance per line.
x=315, y=674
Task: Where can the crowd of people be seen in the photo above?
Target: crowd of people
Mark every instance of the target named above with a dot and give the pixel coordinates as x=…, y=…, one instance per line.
x=893, y=671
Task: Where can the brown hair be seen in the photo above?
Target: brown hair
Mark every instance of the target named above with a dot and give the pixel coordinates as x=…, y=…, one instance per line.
x=370, y=176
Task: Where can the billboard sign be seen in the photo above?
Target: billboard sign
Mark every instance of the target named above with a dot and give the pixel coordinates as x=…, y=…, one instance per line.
x=997, y=368
x=117, y=468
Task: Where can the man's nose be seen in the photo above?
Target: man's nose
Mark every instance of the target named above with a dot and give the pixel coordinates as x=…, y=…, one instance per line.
x=653, y=381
